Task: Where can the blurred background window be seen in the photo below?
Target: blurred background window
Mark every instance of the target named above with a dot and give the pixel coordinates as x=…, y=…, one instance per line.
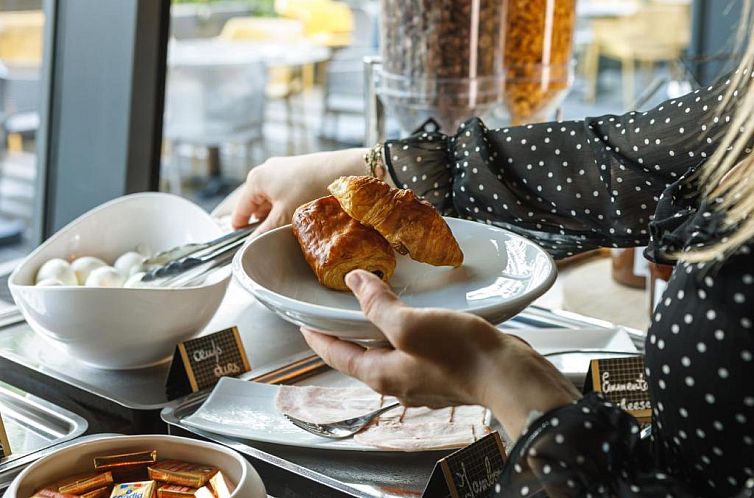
x=249, y=79
x=21, y=35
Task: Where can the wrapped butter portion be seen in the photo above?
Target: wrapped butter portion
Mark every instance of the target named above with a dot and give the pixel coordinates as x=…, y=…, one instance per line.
x=144, y=489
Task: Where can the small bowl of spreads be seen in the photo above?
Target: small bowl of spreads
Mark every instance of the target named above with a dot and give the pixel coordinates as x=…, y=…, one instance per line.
x=153, y=466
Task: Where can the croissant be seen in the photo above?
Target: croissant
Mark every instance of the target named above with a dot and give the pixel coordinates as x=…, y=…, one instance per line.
x=333, y=243
x=410, y=224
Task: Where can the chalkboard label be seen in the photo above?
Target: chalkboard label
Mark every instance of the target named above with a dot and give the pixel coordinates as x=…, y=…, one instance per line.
x=622, y=381
x=4, y=443
x=471, y=472
x=199, y=363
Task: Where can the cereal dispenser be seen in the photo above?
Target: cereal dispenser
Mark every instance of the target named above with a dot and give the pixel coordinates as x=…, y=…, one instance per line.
x=441, y=59
x=538, y=69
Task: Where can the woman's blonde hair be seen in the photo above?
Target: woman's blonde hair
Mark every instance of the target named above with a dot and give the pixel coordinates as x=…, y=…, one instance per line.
x=725, y=176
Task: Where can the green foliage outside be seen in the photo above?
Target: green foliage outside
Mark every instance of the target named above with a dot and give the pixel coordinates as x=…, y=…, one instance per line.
x=258, y=7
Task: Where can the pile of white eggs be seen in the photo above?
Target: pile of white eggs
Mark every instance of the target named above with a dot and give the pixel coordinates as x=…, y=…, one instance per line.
x=92, y=272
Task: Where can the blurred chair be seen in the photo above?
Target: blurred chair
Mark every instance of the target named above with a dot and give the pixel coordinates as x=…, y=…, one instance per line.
x=326, y=22
x=658, y=33
x=344, y=90
x=344, y=95
x=21, y=40
x=284, y=83
x=21, y=36
x=210, y=106
x=20, y=62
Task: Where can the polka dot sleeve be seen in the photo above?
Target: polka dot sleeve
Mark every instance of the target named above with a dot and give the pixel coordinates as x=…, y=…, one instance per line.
x=572, y=186
x=589, y=448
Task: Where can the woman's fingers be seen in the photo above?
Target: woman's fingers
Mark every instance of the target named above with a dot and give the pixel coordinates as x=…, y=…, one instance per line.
x=345, y=356
x=276, y=217
x=248, y=204
x=387, y=371
x=380, y=305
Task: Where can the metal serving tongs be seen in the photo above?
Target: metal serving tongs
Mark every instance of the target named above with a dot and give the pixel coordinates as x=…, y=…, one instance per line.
x=197, y=273
x=198, y=257
x=176, y=253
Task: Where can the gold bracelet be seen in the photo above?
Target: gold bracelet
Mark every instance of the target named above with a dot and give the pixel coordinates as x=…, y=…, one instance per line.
x=375, y=162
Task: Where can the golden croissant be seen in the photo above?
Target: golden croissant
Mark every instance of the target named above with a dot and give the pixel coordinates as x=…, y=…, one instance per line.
x=333, y=243
x=410, y=224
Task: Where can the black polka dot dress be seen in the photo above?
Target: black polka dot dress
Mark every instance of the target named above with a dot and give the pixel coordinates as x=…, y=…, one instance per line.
x=619, y=181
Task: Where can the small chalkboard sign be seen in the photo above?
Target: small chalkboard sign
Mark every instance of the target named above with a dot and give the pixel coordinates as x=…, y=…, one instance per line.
x=471, y=472
x=4, y=443
x=621, y=381
x=199, y=363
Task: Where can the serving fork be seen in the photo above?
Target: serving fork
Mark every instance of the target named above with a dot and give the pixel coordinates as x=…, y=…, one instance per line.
x=344, y=428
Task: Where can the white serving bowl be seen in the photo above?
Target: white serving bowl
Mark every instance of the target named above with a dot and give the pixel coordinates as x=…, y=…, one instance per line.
x=502, y=273
x=77, y=458
x=119, y=328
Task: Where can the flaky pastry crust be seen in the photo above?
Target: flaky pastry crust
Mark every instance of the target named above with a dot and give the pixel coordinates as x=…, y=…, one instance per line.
x=411, y=225
x=334, y=243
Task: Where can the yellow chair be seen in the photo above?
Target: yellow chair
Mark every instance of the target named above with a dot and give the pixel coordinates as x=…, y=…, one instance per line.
x=658, y=32
x=326, y=22
x=283, y=82
x=21, y=37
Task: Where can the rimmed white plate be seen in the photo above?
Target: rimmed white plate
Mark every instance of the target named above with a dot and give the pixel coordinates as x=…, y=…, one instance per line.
x=571, y=350
x=502, y=274
x=246, y=410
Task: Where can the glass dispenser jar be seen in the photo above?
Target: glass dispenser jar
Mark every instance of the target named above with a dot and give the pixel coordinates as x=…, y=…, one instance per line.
x=441, y=59
x=537, y=59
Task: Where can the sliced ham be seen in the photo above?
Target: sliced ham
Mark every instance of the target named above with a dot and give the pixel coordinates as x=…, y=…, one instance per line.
x=421, y=436
x=323, y=405
x=401, y=429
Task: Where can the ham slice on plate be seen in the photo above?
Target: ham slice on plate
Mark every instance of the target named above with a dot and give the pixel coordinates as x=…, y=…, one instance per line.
x=324, y=405
x=401, y=429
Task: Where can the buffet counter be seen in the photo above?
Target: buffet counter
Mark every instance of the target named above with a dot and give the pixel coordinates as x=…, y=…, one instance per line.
x=135, y=401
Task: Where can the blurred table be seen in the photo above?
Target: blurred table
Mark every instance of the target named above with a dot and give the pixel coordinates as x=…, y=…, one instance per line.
x=606, y=8
x=212, y=52
x=204, y=64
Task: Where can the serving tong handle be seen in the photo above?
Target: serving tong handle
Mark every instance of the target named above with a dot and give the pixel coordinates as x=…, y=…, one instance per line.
x=215, y=250
x=198, y=272
x=165, y=257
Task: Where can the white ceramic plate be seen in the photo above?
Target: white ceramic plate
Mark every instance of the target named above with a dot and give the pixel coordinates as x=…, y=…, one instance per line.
x=502, y=274
x=571, y=350
x=246, y=410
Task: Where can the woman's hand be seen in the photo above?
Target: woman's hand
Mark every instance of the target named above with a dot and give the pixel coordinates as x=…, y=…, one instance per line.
x=276, y=188
x=441, y=358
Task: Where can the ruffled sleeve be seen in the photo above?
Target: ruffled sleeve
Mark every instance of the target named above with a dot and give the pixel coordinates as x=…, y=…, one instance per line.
x=571, y=186
x=588, y=448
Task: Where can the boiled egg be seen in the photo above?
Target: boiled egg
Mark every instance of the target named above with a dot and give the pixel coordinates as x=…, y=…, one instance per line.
x=57, y=269
x=84, y=265
x=105, y=276
x=129, y=263
x=49, y=282
x=134, y=281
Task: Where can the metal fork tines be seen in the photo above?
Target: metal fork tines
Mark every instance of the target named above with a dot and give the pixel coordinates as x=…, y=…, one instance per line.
x=344, y=428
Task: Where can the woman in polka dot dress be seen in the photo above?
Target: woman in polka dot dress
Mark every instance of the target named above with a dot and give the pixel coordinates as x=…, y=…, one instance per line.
x=679, y=178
